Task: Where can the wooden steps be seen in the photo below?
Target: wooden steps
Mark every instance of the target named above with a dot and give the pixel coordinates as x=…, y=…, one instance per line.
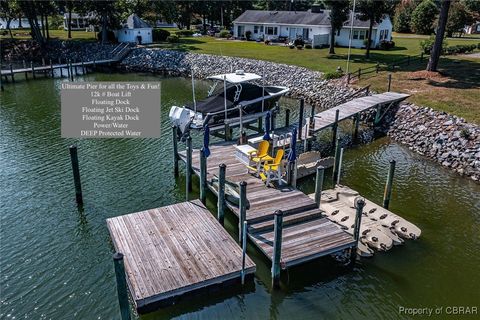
x=288, y=219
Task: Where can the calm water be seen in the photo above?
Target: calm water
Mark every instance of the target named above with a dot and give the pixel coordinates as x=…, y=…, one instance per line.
x=56, y=262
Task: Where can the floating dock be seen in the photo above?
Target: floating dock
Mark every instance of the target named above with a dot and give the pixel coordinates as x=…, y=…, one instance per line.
x=174, y=250
x=306, y=234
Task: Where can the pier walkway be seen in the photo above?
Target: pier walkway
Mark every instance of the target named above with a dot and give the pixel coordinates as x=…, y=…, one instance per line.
x=306, y=233
x=174, y=250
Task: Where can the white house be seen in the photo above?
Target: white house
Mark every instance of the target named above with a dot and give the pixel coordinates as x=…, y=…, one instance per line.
x=135, y=30
x=312, y=25
x=15, y=23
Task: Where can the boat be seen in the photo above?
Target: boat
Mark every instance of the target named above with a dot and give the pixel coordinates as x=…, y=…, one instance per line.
x=229, y=94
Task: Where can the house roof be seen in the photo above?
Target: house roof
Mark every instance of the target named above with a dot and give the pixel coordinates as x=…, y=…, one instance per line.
x=294, y=17
x=134, y=22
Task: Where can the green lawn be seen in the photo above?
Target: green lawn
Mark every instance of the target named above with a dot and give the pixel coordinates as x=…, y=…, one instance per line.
x=54, y=34
x=315, y=59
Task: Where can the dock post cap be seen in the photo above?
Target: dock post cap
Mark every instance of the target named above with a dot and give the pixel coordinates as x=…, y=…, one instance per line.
x=320, y=167
x=222, y=165
x=242, y=183
x=118, y=256
x=72, y=146
x=359, y=202
x=278, y=213
x=393, y=161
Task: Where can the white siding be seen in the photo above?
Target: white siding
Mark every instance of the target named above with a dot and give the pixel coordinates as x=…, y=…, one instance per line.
x=130, y=35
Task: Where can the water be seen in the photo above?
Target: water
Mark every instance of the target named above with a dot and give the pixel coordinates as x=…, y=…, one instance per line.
x=56, y=262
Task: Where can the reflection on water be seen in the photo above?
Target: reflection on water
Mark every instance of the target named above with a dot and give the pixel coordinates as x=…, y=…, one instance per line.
x=56, y=261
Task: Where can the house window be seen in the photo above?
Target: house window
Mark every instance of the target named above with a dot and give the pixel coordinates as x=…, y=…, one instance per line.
x=255, y=29
x=272, y=30
x=338, y=32
x=381, y=34
x=355, y=34
x=386, y=34
x=361, y=34
x=261, y=29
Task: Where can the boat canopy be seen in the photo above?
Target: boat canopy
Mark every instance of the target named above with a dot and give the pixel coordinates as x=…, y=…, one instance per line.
x=237, y=77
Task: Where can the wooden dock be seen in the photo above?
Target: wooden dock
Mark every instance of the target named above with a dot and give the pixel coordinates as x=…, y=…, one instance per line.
x=352, y=108
x=175, y=250
x=306, y=233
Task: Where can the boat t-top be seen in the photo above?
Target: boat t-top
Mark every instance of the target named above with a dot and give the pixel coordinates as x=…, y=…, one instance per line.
x=231, y=97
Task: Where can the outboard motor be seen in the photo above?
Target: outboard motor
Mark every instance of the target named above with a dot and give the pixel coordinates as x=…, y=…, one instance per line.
x=181, y=118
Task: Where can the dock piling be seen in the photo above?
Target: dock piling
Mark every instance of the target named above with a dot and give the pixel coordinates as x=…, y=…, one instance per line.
x=76, y=175
x=243, y=209
x=335, y=127
x=121, y=286
x=300, y=119
x=336, y=162
x=33, y=69
x=175, y=151
x=51, y=68
x=189, y=165
x=203, y=176
x=25, y=67
x=228, y=132
x=388, y=186
x=339, y=174
x=277, y=248
x=244, y=249
x=319, y=184
x=359, y=204
x=43, y=61
x=287, y=117
x=12, y=74
x=221, y=192
x=356, y=121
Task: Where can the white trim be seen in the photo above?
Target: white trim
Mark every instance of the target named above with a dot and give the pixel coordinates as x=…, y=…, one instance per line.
x=299, y=25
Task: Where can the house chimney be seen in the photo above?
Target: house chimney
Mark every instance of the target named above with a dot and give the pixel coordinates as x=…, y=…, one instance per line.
x=317, y=8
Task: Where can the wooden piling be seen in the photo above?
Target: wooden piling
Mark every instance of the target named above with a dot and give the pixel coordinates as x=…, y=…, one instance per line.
x=43, y=61
x=336, y=162
x=189, y=165
x=25, y=67
x=319, y=184
x=228, y=132
x=359, y=204
x=51, y=68
x=387, y=194
x=222, y=172
x=389, y=81
x=68, y=70
x=339, y=173
x=175, y=151
x=84, y=70
x=260, y=124
x=359, y=73
x=335, y=127
x=294, y=173
x=76, y=174
x=287, y=117
x=377, y=67
x=203, y=177
x=300, y=119
x=12, y=74
x=243, y=209
x=121, y=286
x=277, y=249
x=356, y=126
x=244, y=250
x=273, y=120
x=33, y=69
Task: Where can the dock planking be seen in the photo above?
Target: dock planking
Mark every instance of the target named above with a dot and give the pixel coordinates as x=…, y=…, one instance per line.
x=174, y=250
x=349, y=109
x=307, y=234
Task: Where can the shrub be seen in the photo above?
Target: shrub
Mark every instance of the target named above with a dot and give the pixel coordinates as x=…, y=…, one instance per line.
x=173, y=38
x=185, y=33
x=427, y=44
x=423, y=17
x=317, y=46
x=332, y=75
x=160, y=35
x=291, y=46
x=308, y=46
x=298, y=42
x=403, y=16
x=224, y=34
x=478, y=45
x=299, y=47
x=386, y=45
x=248, y=35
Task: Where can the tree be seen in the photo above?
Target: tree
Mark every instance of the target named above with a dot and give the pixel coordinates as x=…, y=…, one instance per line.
x=403, y=16
x=458, y=18
x=31, y=11
x=437, y=47
x=372, y=11
x=423, y=17
x=339, y=10
x=9, y=11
